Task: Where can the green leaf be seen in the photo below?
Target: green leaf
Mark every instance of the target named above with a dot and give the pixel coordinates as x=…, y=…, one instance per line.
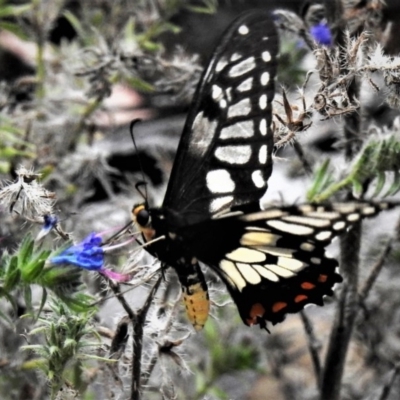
x=210, y=7
x=14, y=29
x=76, y=24
x=42, y=303
x=395, y=186
x=35, y=363
x=14, y=10
x=323, y=178
x=28, y=297
x=25, y=251
x=139, y=84
x=13, y=274
x=32, y=271
x=381, y=180
x=357, y=188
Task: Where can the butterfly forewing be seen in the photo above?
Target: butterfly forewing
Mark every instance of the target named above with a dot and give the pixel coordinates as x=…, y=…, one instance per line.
x=224, y=157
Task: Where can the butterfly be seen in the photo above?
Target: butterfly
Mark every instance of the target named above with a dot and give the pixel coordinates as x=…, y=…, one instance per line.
x=272, y=261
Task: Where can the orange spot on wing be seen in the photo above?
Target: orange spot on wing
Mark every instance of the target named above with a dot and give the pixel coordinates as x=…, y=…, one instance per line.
x=280, y=305
x=300, y=297
x=257, y=310
x=322, y=278
x=307, y=285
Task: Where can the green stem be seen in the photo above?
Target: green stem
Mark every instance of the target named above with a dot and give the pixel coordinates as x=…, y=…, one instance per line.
x=328, y=193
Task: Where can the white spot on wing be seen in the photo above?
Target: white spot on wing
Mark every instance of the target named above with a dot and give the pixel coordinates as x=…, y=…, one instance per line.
x=337, y=226
x=216, y=93
x=258, y=239
x=277, y=251
x=285, y=273
x=353, y=217
x=223, y=103
x=262, y=101
x=263, y=127
x=220, y=181
x=242, y=67
x=262, y=154
x=242, y=129
x=242, y=254
x=232, y=272
x=324, y=235
x=235, y=56
x=229, y=93
x=243, y=30
x=245, y=85
x=271, y=213
x=258, y=179
x=307, y=247
x=234, y=154
x=264, y=78
x=324, y=214
x=290, y=263
x=368, y=210
x=249, y=274
x=221, y=64
x=202, y=134
x=316, y=222
x=290, y=228
x=265, y=273
x=266, y=56
x=243, y=107
x=219, y=203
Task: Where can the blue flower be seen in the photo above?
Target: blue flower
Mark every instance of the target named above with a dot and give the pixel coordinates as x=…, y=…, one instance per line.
x=322, y=34
x=49, y=222
x=87, y=254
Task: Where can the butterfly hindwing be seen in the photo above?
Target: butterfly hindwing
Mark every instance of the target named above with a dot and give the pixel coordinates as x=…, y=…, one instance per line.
x=224, y=158
x=273, y=262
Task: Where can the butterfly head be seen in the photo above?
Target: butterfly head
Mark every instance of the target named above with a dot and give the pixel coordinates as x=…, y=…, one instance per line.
x=142, y=217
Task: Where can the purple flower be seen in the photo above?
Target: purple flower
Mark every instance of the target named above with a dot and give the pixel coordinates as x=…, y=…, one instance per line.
x=322, y=34
x=89, y=255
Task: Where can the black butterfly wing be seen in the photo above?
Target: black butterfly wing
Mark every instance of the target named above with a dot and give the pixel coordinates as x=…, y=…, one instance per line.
x=224, y=158
x=273, y=262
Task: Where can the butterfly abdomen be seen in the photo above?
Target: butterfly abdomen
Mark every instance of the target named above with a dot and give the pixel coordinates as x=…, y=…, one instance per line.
x=195, y=292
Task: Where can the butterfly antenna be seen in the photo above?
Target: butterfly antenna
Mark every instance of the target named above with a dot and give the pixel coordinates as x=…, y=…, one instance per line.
x=143, y=183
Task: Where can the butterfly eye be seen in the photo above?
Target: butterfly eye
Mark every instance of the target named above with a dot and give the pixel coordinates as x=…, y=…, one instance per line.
x=143, y=217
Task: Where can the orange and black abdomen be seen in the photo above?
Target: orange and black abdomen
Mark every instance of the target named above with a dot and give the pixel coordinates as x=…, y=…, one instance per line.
x=195, y=292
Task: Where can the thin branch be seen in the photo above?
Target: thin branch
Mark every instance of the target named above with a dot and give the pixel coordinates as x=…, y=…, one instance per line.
x=313, y=346
x=115, y=287
x=138, y=325
x=302, y=157
x=386, y=388
x=155, y=355
x=376, y=269
x=344, y=321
